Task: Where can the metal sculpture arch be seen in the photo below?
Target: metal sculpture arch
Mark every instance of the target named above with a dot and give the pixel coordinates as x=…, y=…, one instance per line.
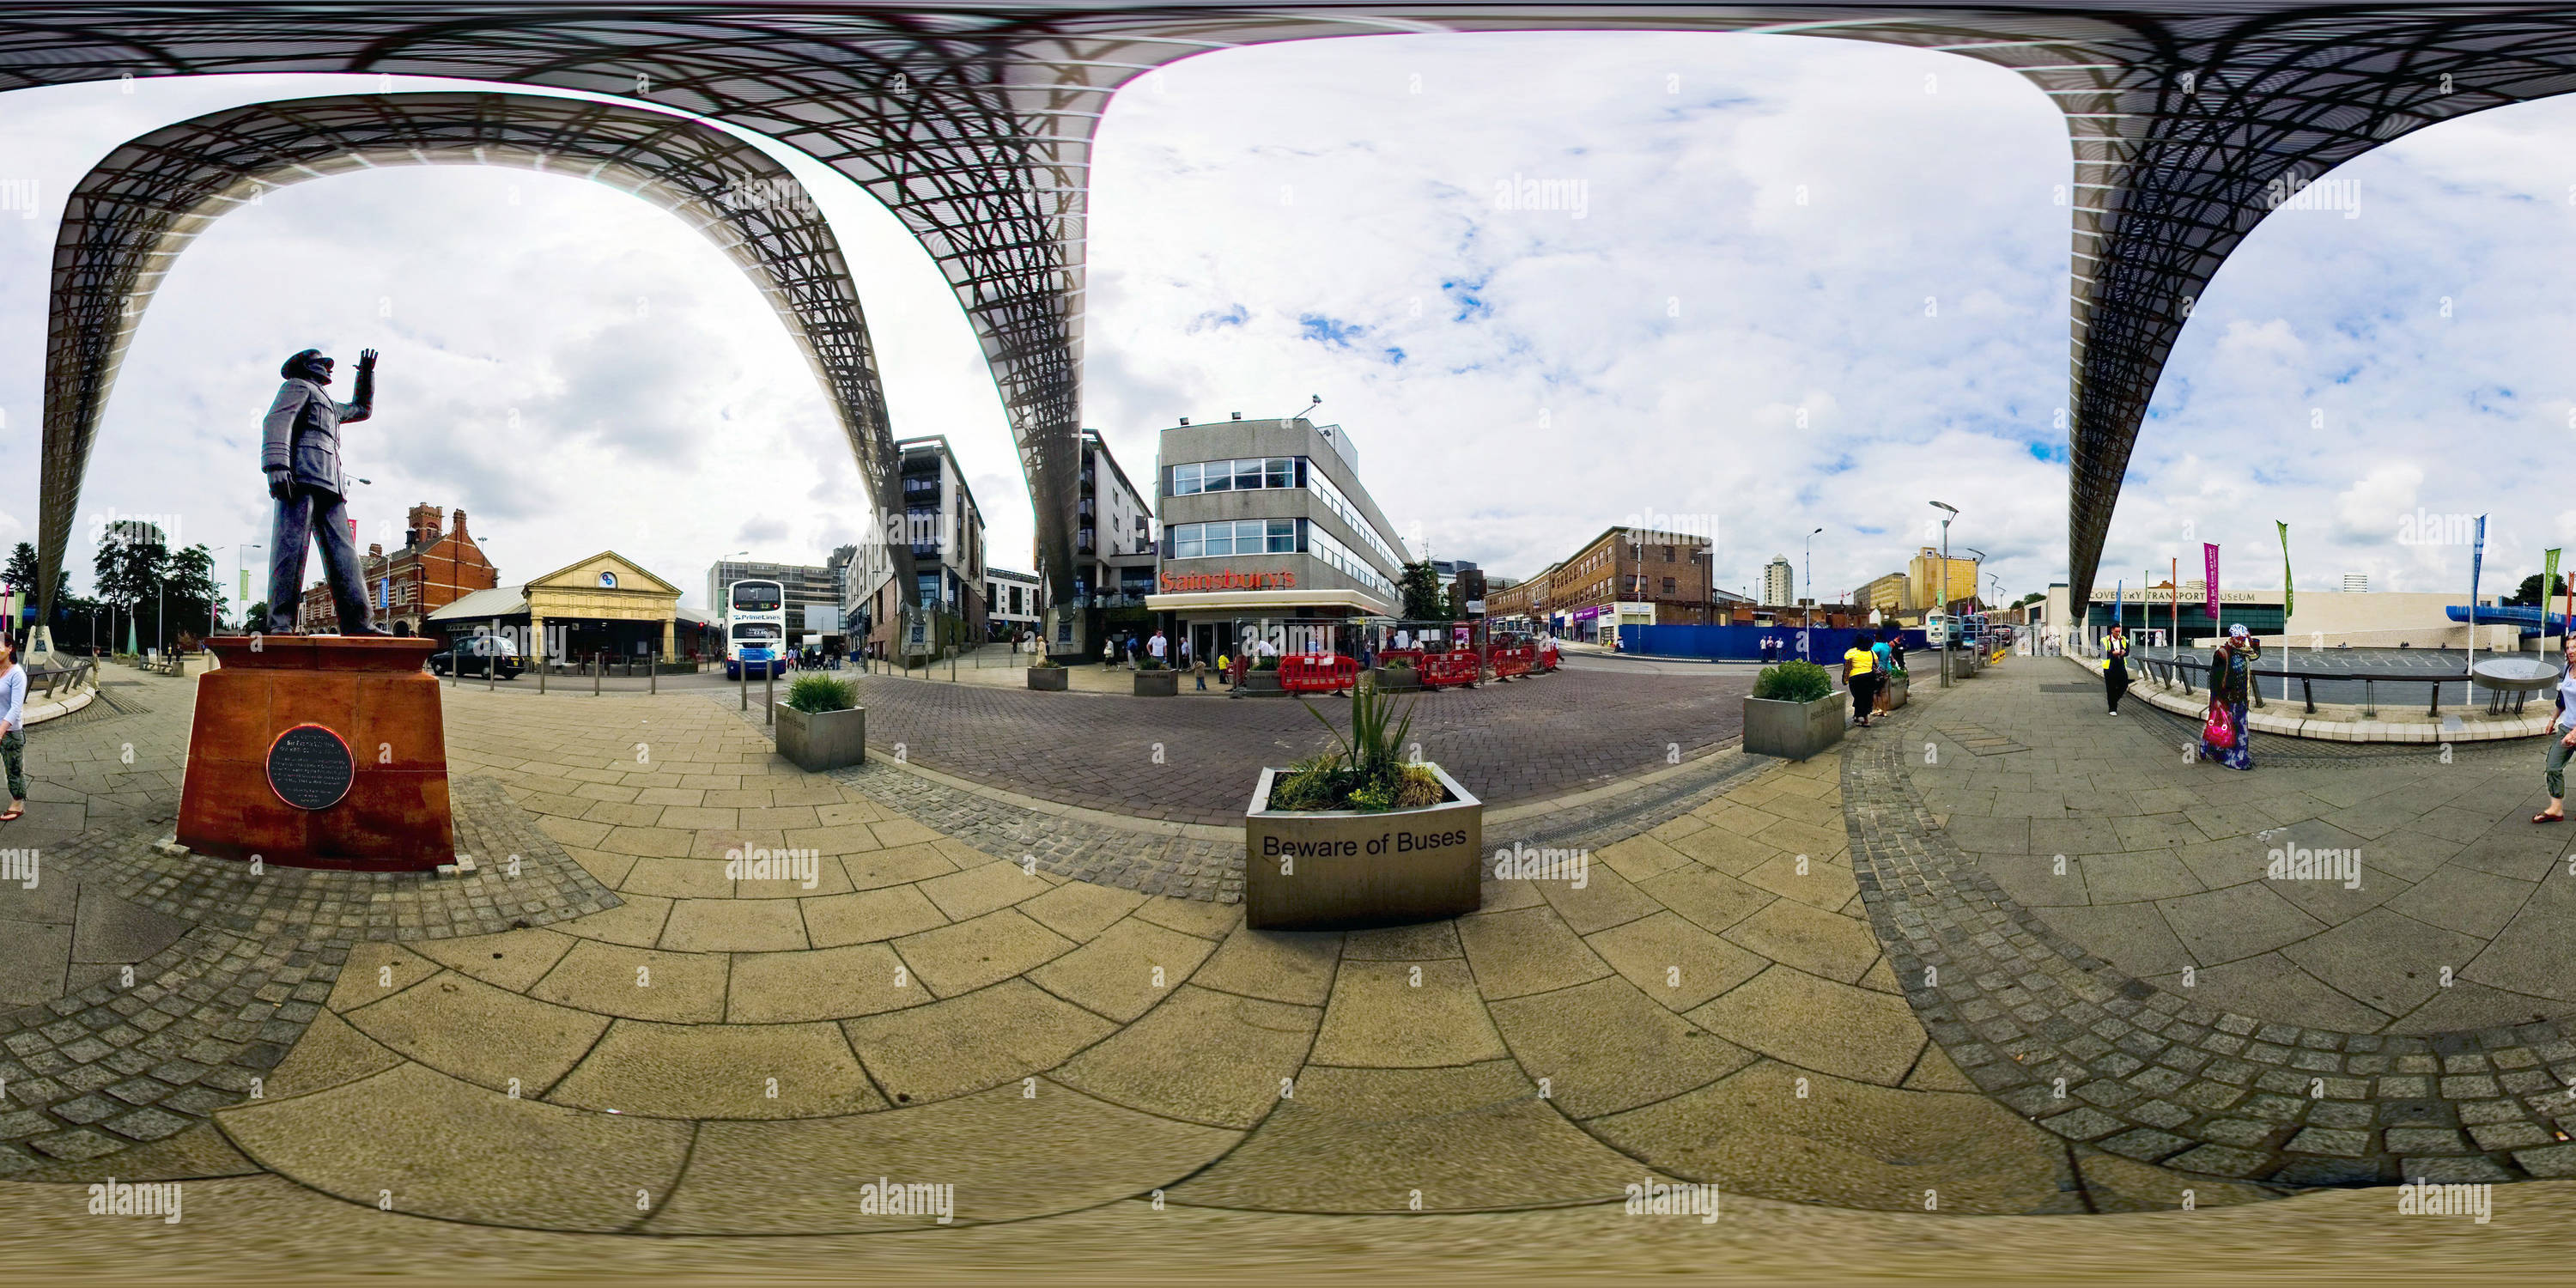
x=127, y=221
x=973, y=122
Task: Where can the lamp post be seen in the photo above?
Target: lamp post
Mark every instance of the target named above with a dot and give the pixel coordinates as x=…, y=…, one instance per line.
x=1952, y=512
x=1806, y=651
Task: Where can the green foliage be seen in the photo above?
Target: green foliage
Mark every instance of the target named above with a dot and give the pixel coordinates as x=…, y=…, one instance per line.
x=2529, y=593
x=1265, y=664
x=1045, y=663
x=1423, y=601
x=816, y=694
x=1148, y=662
x=1366, y=773
x=1793, y=682
x=22, y=569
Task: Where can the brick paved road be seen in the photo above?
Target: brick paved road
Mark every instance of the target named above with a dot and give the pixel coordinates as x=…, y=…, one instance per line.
x=1506, y=742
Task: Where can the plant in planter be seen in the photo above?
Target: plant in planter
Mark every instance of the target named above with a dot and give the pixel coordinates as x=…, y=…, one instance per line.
x=1355, y=836
x=821, y=724
x=1794, y=711
x=1049, y=675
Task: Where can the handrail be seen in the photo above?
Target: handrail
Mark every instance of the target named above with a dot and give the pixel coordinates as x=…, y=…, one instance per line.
x=2183, y=667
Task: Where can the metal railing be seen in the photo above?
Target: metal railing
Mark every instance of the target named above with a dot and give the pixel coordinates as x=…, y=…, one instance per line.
x=2167, y=670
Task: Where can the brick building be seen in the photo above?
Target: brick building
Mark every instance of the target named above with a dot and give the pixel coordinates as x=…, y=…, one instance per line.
x=1524, y=601
x=437, y=564
x=1636, y=565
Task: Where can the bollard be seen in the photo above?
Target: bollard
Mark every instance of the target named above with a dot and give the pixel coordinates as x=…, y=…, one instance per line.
x=541, y=673
x=596, y=668
x=769, y=694
x=491, y=667
x=743, y=673
x=654, y=680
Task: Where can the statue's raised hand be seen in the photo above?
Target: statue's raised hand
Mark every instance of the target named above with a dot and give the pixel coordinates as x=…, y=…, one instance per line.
x=366, y=359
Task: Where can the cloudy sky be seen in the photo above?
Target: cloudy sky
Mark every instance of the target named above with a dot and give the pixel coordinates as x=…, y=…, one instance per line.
x=1794, y=283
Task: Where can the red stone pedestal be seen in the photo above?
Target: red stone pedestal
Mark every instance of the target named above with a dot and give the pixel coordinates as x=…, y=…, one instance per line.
x=368, y=690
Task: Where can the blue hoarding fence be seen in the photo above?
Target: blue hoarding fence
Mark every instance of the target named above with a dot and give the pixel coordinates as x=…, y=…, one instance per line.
x=1825, y=644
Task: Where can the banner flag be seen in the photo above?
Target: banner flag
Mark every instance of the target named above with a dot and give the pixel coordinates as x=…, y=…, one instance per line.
x=2288, y=605
x=2209, y=579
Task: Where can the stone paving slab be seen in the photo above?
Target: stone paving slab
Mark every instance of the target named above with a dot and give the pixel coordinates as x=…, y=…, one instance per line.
x=2114, y=1063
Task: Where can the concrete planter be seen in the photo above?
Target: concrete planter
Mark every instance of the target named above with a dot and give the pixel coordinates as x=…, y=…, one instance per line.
x=1260, y=682
x=1896, y=687
x=1051, y=679
x=822, y=740
x=1315, y=870
x=1386, y=679
x=1158, y=684
x=1795, y=730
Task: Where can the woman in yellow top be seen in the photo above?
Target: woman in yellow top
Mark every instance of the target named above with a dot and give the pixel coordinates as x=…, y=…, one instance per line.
x=1860, y=675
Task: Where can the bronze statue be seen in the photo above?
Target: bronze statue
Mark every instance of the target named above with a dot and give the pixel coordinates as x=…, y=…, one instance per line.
x=300, y=452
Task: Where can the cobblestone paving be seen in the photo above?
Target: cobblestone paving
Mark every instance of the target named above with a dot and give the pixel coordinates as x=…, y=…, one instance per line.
x=144, y=1054
x=1527, y=740
x=2122, y=1066
x=1190, y=868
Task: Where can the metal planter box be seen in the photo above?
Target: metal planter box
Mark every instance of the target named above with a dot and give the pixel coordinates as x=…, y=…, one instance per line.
x=1795, y=730
x=1316, y=870
x=1158, y=684
x=1049, y=678
x=822, y=740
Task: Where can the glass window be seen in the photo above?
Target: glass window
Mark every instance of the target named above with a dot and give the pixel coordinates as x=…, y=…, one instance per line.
x=1185, y=479
x=1188, y=543
x=1279, y=471
x=1283, y=536
x=1219, y=477
x=1220, y=538
x=1247, y=475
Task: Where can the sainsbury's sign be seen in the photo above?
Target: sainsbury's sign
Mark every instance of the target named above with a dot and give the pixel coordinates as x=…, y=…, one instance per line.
x=1180, y=582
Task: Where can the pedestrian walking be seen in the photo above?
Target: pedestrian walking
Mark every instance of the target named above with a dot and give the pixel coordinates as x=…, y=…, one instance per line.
x=1157, y=646
x=2115, y=665
x=13, y=736
x=2562, y=745
x=1225, y=669
x=1860, y=676
x=2231, y=686
x=1884, y=659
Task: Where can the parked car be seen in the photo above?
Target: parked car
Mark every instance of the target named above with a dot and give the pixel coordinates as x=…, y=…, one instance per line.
x=470, y=657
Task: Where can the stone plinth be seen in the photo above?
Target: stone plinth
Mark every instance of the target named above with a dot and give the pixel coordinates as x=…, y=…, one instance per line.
x=371, y=694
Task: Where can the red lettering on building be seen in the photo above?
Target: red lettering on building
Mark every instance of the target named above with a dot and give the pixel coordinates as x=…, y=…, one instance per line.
x=1175, y=583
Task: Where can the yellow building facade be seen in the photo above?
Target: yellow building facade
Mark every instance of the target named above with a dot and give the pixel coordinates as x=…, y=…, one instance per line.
x=606, y=590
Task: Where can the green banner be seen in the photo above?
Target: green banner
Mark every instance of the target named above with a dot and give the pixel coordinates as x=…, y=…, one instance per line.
x=2288, y=604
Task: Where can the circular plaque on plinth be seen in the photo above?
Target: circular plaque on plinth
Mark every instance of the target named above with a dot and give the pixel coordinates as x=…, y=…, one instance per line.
x=2523, y=674
x=309, y=767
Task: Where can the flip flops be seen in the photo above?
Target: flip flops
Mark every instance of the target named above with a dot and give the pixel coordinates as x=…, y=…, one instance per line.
x=13, y=815
x=2536, y=818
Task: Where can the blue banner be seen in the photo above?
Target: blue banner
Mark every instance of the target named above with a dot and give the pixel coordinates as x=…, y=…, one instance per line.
x=2477, y=559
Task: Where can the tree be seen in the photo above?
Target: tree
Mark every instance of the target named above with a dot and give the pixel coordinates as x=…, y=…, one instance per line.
x=1421, y=591
x=2530, y=590
x=196, y=598
x=22, y=571
x=129, y=567
x=2031, y=598
x=257, y=618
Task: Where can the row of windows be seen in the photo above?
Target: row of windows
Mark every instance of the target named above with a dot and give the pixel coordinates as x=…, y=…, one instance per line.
x=1235, y=476
x=1321, y=545
x=1274, y=537
x=1234, y=537
x=1350, y=514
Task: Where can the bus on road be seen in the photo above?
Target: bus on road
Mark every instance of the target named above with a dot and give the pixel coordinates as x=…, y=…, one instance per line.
x=755, y=629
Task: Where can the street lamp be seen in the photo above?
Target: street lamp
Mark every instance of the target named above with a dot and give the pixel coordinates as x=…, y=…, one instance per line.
x=1948, y=631
x=1805, y=650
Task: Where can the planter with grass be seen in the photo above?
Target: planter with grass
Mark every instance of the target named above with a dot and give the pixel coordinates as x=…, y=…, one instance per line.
x=1261, y=677
x=1356, y=837
x=1048, y=676
x=821, y=724
x=1896, y=683
x=1795, y=711
x=1155, y=680
x=1397, y=677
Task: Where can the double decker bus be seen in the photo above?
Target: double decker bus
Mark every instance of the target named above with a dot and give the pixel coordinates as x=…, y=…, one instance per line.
x=755, y=631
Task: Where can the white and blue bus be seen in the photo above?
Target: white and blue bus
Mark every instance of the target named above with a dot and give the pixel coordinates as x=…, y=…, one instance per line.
x=755, y=628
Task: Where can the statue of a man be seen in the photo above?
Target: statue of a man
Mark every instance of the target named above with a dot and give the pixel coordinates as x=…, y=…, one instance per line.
x=300, y=451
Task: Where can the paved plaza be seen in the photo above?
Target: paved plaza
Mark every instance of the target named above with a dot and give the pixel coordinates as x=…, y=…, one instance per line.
x=1854, y=983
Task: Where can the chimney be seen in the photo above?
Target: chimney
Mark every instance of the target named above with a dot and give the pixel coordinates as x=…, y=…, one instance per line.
x=375, y=551
x=460, y=525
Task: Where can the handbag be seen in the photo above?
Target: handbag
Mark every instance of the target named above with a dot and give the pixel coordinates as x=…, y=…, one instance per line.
x=2219, y=728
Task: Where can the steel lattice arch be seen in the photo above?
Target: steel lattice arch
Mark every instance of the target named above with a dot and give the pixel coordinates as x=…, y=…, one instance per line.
x=129, y=218
x=973, y=124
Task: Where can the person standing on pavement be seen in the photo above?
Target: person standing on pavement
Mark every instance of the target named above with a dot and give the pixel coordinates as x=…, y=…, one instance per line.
x=2231, y=685
x=1157, y=646
x=1885, y=668
x=2115, y=665
x=13, y=736
x=1859, y=676
x=2562, y=744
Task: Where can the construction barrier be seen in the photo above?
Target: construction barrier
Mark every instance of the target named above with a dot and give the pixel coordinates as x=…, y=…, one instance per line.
x=1318, y=673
